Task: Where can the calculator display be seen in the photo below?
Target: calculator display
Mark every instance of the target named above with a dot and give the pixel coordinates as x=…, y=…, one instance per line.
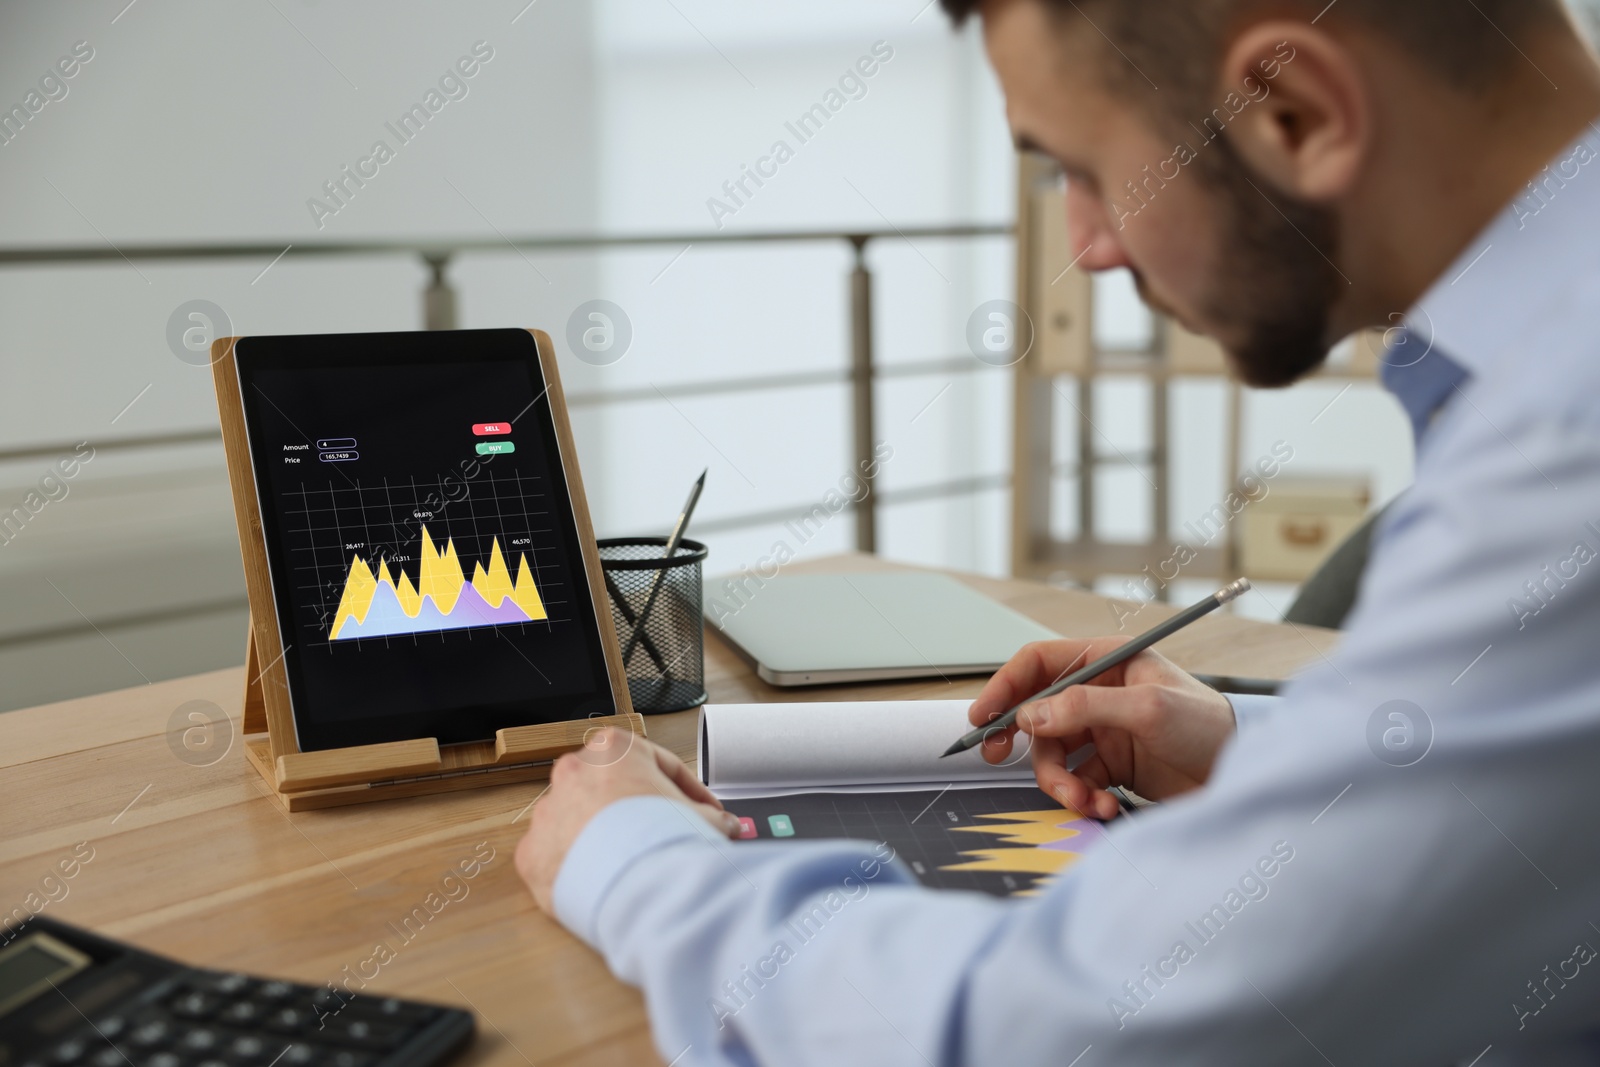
x=33, y=965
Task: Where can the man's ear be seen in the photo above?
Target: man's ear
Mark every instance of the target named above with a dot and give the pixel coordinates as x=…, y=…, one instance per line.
x=1310, y=133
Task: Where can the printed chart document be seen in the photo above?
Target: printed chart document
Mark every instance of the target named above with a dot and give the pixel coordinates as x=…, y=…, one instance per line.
x=871, y=771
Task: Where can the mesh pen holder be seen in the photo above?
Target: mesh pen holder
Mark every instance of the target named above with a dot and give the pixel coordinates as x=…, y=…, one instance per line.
x=667, y=670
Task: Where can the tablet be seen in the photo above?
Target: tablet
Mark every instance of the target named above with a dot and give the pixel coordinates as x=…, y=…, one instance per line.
x=425, y=535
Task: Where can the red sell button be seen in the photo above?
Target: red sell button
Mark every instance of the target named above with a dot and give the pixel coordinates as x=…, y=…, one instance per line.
x=486, y=429
x=747, y=827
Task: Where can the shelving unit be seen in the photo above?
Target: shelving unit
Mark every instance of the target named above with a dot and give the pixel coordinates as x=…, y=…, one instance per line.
x=1061, y=369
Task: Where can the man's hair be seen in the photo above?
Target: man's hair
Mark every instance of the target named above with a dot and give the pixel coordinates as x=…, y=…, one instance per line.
x=1467, y=43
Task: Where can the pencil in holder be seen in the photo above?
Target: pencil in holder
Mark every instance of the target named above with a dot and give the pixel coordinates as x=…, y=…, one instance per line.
x=667, y=668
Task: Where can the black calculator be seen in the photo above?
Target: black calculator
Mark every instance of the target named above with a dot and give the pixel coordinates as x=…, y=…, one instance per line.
x=71, y=999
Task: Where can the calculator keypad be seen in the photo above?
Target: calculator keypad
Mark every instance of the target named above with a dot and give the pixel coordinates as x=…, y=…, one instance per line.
x=232, y=1020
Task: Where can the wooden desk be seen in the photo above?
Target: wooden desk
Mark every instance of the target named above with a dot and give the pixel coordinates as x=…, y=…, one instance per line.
x=198, y=862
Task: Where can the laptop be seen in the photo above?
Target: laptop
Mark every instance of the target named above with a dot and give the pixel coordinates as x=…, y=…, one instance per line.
x=817, y=629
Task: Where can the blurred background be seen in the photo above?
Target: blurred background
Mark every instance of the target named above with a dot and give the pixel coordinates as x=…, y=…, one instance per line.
x=590, y=157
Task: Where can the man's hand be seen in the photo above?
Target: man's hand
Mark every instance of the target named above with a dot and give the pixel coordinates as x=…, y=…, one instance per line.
x=611, y=765
x=1155, y=729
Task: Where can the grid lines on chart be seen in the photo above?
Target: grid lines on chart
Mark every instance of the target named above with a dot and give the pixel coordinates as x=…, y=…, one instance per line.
x=389, y=517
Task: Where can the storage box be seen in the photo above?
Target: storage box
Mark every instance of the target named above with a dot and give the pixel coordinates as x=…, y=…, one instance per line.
x=1288, y=534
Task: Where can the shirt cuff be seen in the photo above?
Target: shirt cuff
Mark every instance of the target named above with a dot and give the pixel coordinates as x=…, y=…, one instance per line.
x=1250, y=711
x=621, y=833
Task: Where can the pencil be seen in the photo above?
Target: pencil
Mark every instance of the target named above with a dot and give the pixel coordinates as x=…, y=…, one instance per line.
x=976, y=736
x=661, y=575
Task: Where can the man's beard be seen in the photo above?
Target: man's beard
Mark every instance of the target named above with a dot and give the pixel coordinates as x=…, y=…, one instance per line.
x=1270, y=295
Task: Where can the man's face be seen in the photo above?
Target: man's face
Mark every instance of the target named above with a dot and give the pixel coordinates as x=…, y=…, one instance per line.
x=1207, y=242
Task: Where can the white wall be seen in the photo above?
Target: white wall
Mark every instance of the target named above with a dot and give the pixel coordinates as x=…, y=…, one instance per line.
x=207, y=122
x=922, y=145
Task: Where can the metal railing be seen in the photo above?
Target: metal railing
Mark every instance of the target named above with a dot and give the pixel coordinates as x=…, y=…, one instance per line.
x=439, y=305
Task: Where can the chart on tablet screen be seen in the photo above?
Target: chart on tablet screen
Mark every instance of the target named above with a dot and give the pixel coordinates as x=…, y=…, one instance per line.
x=425, y=540
x=375, y=603
x=409, y=559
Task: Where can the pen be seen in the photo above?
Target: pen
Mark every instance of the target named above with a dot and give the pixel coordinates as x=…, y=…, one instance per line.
x=661, y=575
x=976, y=736
x=631, y=619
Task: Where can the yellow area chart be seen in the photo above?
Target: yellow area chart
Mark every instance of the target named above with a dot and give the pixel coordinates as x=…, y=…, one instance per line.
x=1037, y=842
x=379, y=602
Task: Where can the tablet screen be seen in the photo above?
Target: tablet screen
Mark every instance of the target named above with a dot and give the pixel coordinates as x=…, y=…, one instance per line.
x=424, y=554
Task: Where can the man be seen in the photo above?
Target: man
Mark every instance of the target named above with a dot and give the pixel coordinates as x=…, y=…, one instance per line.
x=1397, y=863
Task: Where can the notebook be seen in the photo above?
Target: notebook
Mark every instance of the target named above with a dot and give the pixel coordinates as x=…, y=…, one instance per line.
x=814, y=629
x=871, y=771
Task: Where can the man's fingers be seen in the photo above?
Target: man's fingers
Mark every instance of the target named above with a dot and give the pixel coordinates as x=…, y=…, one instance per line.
x=988, y=707
x=564, y=765
x=1086, y=707
x=1052, y=768
x=681, y=776
x=724, y=821
x=603, y=746
x=609, y=746
x=1038, y=666
x=997, y=744
x=1076, y=795
x=1034, y=666
x=1082, y=789
x=1049, y=759
x=1068, y=789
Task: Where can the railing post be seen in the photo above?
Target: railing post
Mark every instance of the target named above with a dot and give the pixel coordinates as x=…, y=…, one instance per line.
x=861, y=396
x=1161, y=466
x=438, y=299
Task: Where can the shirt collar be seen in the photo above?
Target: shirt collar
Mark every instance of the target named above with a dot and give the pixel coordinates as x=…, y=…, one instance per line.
x=1530, y=254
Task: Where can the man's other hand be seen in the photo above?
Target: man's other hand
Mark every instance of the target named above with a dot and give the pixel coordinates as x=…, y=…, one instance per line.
x=1156, y=730
x=611, y=765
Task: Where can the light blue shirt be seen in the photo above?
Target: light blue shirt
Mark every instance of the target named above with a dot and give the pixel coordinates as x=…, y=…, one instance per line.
x=1318, y=901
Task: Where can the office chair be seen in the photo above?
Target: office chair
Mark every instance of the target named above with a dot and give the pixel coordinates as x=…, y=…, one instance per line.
x=1328, y=595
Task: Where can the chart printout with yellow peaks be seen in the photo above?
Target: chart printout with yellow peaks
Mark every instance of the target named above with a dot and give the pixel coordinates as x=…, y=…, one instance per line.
x=380, y=602
x=1005, y=841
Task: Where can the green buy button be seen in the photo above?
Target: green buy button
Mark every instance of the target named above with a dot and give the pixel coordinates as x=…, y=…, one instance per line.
x=495, y=448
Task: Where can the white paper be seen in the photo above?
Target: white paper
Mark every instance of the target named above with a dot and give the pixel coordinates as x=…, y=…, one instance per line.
x=766, y=749
x=931, y=788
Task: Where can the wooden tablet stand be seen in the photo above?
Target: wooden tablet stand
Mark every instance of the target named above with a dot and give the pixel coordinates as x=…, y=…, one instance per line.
x=303, y=781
